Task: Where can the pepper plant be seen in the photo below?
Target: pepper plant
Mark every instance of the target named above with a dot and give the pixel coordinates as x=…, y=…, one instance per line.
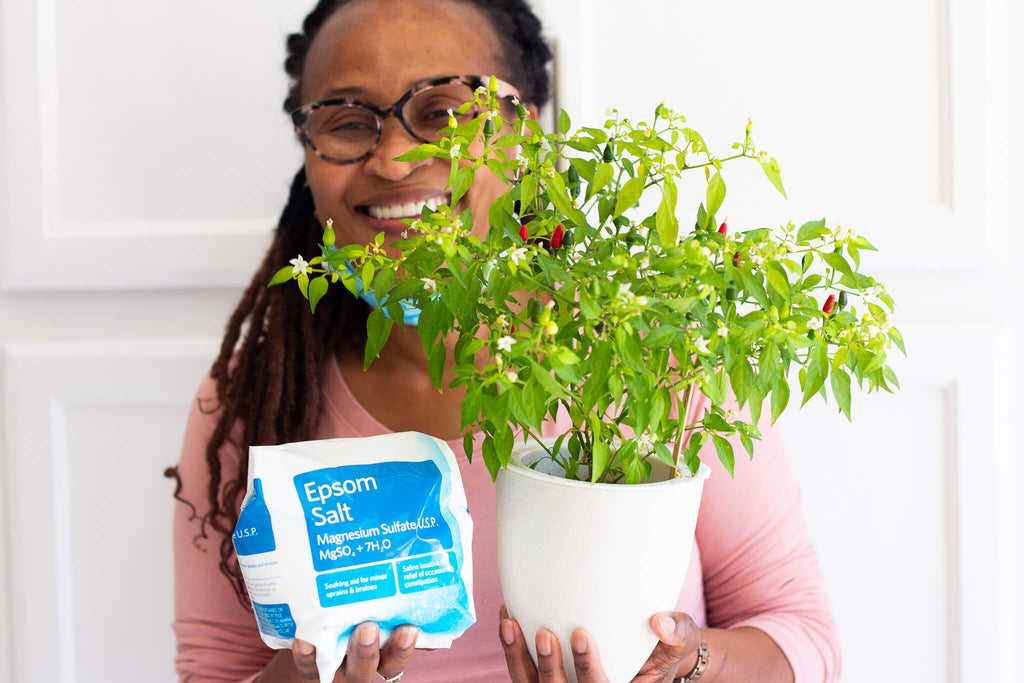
x=575, y=300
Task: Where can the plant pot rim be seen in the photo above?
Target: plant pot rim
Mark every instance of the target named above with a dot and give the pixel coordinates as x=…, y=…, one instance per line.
x=523, y=447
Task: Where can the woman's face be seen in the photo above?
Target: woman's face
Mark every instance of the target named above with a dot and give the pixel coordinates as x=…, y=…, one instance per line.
x=374, y=51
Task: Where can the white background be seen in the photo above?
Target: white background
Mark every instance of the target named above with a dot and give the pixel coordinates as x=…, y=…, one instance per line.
x=144, y=159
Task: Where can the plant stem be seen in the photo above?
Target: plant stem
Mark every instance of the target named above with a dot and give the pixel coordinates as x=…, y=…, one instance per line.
x=688, y=392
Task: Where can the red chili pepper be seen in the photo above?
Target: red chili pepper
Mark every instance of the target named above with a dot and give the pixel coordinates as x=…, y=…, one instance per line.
x=736, y=258
x=522, y=232
x=830, y=305
x=512, y=330
x=557, y=237
x=723, y=228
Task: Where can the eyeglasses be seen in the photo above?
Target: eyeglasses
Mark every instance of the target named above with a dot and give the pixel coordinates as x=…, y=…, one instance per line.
x=344, y=131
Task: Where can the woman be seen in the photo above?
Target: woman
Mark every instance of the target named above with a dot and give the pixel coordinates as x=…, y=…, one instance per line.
x=284, y=375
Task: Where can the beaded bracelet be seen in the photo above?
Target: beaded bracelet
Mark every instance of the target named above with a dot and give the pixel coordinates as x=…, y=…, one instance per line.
x=698, y=669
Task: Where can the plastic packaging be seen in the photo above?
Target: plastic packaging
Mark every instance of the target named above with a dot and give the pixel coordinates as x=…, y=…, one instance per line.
x=341, y=531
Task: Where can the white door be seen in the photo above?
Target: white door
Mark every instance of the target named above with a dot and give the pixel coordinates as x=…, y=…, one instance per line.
x=145, y=158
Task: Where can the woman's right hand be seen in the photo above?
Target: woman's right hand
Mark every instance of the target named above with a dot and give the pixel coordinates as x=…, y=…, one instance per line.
x=366, y=661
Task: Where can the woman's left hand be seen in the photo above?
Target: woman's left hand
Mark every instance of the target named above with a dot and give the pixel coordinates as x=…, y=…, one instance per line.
x=678, y=635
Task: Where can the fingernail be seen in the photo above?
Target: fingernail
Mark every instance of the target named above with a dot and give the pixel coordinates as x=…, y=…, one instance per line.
x=305, y=648
x=503, y=612
x=667, y=623
x=543, y=643
x=368, y=634
x=579, y=643
x=405, y=636
x=508, y=632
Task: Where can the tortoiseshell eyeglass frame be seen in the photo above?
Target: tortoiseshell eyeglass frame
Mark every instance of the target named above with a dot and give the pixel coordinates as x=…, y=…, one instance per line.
x=301, y=115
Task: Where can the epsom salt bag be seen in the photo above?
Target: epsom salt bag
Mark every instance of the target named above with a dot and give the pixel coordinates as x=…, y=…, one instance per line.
x=337, y=532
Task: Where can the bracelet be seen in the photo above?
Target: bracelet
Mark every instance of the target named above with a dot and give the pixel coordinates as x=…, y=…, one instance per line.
x=698, y=669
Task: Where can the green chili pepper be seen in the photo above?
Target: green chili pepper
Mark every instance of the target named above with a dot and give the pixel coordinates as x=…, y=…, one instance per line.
x=608, y=155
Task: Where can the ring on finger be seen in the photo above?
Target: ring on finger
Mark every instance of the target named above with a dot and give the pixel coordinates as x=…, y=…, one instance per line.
x=391, y=679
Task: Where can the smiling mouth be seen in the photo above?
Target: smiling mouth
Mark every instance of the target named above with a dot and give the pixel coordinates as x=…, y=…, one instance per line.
x=405, y=210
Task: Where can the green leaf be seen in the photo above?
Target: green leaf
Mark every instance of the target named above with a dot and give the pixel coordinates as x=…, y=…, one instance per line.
x=897, y=339
x=817, y=372
x=549, y=383
x=811, y=230
x=317, y=289
x=435, y=364
x=748, y=444
x=780, y=397
x=563, y=122
x=725, y=454
x=600, y=463
x=463, y=179
x=628, y=195
x=602, y=176
x=740, y=379
x=665, y=219
x=777, y=278
x=841, y=390
x=422, y=152
x=283, y=275
x=771, y=170
x=527, y=193
x=490, y=457
x=838, y=262
x=715, y=193
x=378, y=328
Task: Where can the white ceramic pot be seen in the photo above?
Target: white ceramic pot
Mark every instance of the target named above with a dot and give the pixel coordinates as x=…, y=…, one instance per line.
x=604, y=557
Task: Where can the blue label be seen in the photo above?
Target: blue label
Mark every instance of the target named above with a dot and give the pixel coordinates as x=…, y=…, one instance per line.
x=364, y=514
x=253, y=532
x=356, y=585
x=275, y=620
x=424, y=573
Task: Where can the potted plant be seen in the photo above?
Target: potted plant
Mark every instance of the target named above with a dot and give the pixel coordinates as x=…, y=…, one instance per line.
x=587, y=299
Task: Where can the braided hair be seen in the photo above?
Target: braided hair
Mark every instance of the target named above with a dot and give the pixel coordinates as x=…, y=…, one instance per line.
x=267, y=374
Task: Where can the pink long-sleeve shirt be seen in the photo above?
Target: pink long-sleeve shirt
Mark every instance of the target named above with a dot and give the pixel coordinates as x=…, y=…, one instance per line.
x=753, y=563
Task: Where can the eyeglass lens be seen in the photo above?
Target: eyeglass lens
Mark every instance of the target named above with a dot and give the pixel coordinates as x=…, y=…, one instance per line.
x=346, y=132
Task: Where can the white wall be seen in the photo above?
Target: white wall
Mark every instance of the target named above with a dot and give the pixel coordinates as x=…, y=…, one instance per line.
x=145, y=157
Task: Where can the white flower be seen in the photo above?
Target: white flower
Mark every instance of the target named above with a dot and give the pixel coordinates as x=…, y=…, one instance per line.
x=429, y=284
x=757, y=259
x=814, y=323
x=505, y=344
x=517, y=255
x=299, y=265
x=842, y=232
x=455, y=151
x=644, y=444
x=723, y=331
x=624, y=289
x=609, y=112
x=701, y=346
x=512, y=375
